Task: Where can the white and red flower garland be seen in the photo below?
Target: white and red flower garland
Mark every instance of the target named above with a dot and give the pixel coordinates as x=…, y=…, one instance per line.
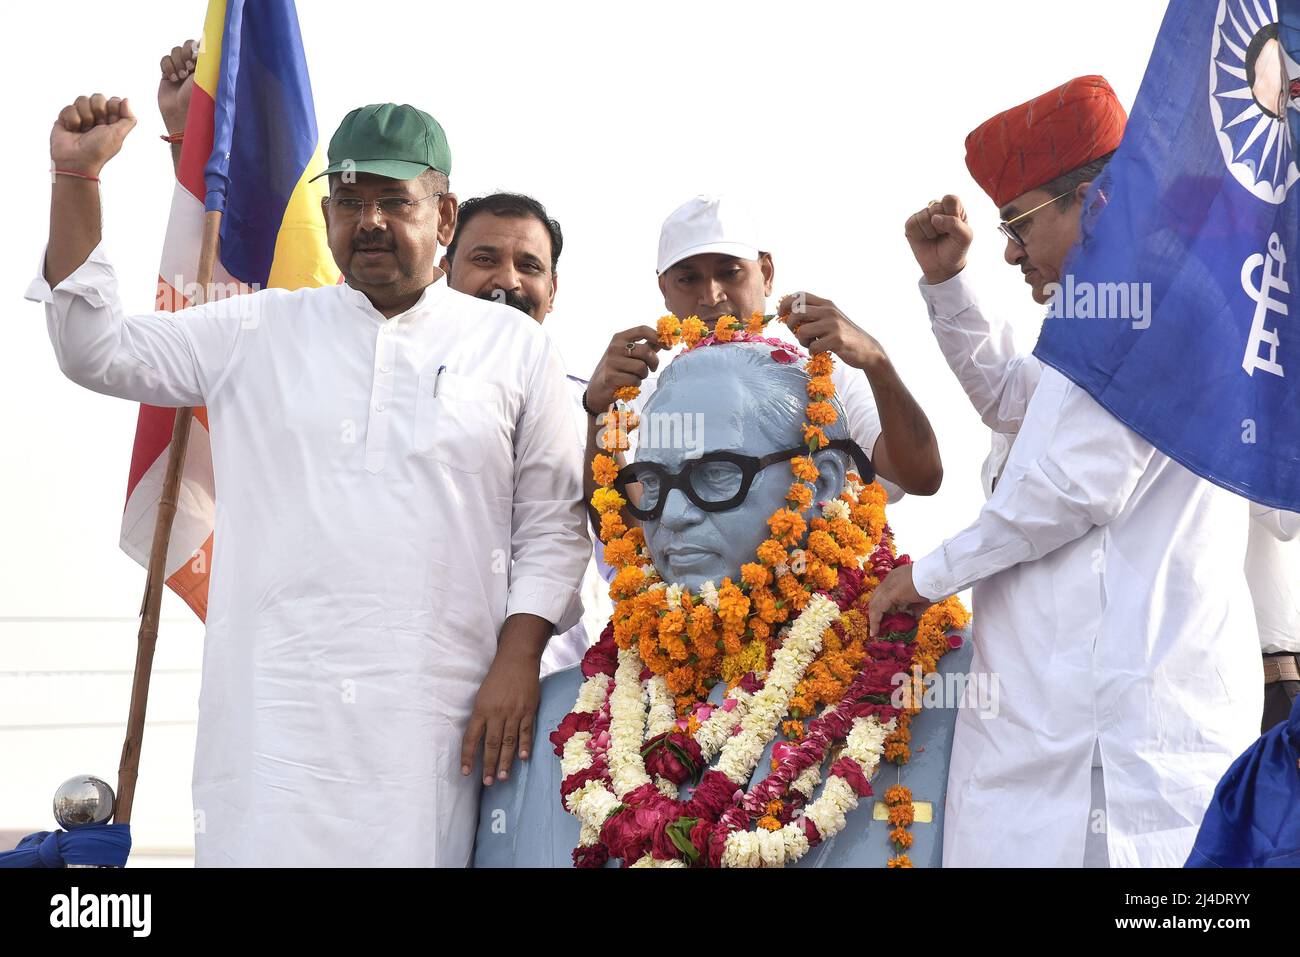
x=623, y=754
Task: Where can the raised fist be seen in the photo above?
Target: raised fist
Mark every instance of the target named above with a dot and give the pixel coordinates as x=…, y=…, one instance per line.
x=940, y=237
x=176, y=84
x=89, y=133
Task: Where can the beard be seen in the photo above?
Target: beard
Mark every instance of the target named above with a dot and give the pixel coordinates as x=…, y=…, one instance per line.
x=510, y=297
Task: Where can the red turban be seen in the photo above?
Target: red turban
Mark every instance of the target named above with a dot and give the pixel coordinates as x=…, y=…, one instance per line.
x=1035, y=142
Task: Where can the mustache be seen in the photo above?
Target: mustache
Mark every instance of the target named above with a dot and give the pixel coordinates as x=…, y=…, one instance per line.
x=365, y=243
x=510, y=297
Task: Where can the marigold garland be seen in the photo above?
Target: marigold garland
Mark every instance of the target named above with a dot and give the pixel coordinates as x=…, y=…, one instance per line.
x=734, y=632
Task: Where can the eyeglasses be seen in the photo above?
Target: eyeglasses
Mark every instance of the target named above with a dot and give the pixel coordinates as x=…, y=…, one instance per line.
x=1008, y=228
x=390, y=207
x=716, y=481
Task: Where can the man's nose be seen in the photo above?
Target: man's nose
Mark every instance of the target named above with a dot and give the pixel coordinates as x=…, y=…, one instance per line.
x=506, y=277
x=679, y=512
x=712, y=294
x=371, y=218
x=1013, y=253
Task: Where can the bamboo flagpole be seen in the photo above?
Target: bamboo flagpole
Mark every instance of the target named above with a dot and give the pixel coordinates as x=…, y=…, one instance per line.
x=147, y=639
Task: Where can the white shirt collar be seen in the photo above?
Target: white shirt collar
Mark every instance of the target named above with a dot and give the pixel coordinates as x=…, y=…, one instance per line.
x=430, y=297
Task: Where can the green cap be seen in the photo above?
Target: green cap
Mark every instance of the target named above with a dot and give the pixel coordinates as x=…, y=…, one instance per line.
x=386, y=139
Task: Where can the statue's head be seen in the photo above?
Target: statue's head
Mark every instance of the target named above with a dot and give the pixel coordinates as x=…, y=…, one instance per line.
x=729, y=418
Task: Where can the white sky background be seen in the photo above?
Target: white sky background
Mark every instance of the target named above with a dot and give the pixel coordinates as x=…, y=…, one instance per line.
x=834, y=121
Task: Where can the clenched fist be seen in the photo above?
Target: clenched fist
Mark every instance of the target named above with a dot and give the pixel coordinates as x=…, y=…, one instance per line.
x=176, y=84
x=89, y=133
x=940, y=237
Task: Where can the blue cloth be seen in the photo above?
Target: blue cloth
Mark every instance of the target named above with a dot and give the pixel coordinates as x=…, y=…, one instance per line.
x=100, y=845
x=1200, y=202
x=1254, y=819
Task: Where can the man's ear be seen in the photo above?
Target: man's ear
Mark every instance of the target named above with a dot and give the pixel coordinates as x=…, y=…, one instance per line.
x=830, y=483
x=555, y=288
x=448, y=211
x=325, y=210
x=769, y=271
x=663, y=289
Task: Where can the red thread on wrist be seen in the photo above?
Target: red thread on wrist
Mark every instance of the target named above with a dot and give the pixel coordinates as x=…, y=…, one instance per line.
x=173, y=137
x=70, y=172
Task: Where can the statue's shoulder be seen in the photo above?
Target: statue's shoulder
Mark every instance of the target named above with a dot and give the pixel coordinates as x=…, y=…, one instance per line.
x=521, y=820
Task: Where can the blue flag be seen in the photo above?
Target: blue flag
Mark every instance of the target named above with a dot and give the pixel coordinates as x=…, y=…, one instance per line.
x=1179, y=309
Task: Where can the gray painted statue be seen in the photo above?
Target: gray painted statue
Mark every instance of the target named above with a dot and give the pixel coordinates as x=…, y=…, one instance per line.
x=753, y=406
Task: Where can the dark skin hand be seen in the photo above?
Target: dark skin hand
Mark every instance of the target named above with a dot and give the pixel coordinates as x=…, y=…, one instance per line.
x=88, y=133
x=895, y=593
x=174, y=88
x=907, y=451
x=618, y=367
x=505, y=708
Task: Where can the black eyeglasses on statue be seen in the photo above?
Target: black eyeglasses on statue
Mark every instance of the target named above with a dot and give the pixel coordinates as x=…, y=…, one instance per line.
x=716, y=481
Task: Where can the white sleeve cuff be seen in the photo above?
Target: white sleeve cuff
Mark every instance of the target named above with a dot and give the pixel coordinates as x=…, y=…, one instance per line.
x=86, y=281
x=948, y=299
x=931, y=576
x=545, y=598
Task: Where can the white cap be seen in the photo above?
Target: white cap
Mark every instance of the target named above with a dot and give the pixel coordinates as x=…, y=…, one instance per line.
x=707, y=224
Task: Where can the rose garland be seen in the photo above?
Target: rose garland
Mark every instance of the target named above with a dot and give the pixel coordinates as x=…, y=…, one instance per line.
x=641, y=726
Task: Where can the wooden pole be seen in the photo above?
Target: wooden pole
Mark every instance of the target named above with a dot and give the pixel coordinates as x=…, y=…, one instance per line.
x=129, y=767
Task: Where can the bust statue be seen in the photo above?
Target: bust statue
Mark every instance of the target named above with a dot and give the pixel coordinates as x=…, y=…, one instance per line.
x=707, y=508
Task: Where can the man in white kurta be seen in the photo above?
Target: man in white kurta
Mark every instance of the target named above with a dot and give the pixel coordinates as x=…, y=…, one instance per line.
x=507, y=249
x=1114, y=614
x=363, y=529
x=999, y=380
x=1096, y=587
x=711, y=263
x=390, y=492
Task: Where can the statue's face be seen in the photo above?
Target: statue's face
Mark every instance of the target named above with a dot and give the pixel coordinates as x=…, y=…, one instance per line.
x=689, y=545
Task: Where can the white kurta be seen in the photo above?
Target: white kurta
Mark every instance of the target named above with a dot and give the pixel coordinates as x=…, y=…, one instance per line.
x=1113, y=611
x=981, y=351
x=389, y=491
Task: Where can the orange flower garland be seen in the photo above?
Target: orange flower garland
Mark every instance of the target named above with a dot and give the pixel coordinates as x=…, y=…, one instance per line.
x=730, y=630
x=694, y=643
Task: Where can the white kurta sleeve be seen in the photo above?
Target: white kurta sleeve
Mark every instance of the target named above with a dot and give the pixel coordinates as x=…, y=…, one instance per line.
x=1087, y=470
x=164, y=358
x=549, y=543
x=981, y=352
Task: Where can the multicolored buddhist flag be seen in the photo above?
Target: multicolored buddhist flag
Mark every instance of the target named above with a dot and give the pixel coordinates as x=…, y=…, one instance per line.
x=251, y=145
x=1179, y=307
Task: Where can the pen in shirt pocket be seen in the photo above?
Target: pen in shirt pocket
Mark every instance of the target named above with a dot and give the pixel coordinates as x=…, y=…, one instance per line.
x=437, y=378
